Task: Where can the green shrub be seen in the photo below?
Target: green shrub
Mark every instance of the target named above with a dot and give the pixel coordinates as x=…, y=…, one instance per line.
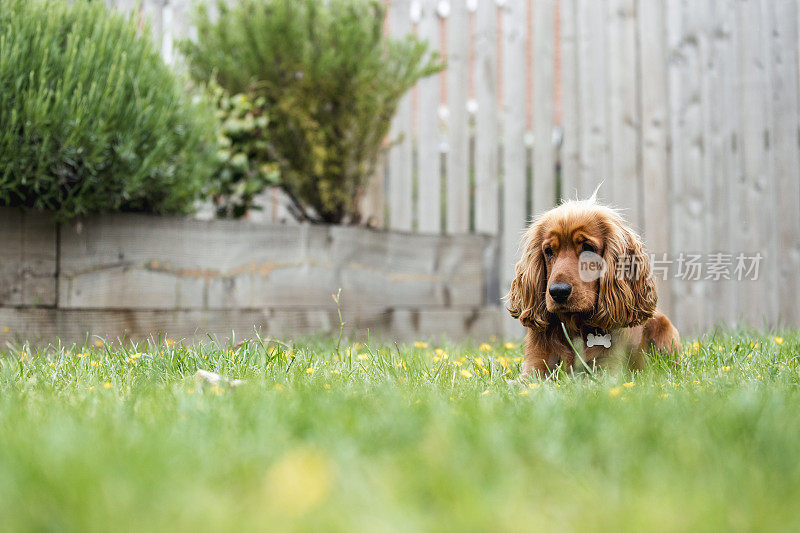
x=247, y=168
x=331, y=82
x=91, y=119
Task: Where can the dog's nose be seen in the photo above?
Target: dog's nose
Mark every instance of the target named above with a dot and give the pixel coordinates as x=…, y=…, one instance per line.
x=560, y=291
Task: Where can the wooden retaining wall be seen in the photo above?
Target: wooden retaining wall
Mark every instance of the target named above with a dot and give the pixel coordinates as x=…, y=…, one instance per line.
x=137, y=275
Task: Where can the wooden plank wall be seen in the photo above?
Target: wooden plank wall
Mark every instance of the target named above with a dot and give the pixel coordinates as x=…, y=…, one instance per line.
x=686, y=111
x=138, y=274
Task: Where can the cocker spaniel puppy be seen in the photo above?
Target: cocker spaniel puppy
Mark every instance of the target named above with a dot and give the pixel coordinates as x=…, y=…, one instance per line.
x=583, y=267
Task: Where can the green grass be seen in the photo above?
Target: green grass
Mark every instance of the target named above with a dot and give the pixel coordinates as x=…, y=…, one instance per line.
x=379, y=438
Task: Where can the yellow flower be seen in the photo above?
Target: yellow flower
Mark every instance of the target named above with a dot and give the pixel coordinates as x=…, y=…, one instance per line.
x=615, y=391
x=524, y=392
x=466, y=373
x=99, y=343
x=107, y=385
x=421, y=345
x=309, y=370
x=510, y=346
x=725, y=368
x=629, y=384
x=299, y=481
x=169, y=342
x=778, y=340
x=363, y=356
x=534, y=385
x=485, y=347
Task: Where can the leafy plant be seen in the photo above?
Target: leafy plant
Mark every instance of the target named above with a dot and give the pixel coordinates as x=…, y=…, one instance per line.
x=331, y=82
x=91, y=119
x=247, y=168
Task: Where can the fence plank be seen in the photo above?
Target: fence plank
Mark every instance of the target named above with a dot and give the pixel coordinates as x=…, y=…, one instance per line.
x=514, y=176
x=687, y=169
x=544, y=184
x=486, y=156
x=458, y=120
x=429, y=163
x=721, y=165
x=654, y=149
x=784, y=24
x=592, y=96
x=623, y=116
x=151, y=10
x=401, y=152
x=570, y=146
x=754, y=190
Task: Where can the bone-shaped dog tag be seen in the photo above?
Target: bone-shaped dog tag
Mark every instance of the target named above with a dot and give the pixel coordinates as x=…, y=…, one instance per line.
x=598, y=340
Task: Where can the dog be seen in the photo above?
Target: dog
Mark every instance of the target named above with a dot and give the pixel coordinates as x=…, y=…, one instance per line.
x=585, y=271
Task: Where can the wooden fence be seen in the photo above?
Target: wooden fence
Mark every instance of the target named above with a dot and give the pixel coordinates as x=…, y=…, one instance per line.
x=687, y=111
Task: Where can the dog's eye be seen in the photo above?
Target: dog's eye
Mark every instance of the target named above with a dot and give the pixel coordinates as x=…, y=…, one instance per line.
x=549, y=253
x=589, y=247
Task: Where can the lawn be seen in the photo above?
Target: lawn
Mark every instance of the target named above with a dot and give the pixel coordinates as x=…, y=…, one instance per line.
x=415, y=437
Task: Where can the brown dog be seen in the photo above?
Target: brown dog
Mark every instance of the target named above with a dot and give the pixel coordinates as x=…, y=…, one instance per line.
x=583, y=267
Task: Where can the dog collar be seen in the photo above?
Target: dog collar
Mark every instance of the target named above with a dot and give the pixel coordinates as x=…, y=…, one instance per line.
x=598, y=340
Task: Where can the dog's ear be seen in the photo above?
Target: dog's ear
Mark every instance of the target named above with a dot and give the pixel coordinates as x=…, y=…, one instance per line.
x=627, y=289
x=526, y=299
